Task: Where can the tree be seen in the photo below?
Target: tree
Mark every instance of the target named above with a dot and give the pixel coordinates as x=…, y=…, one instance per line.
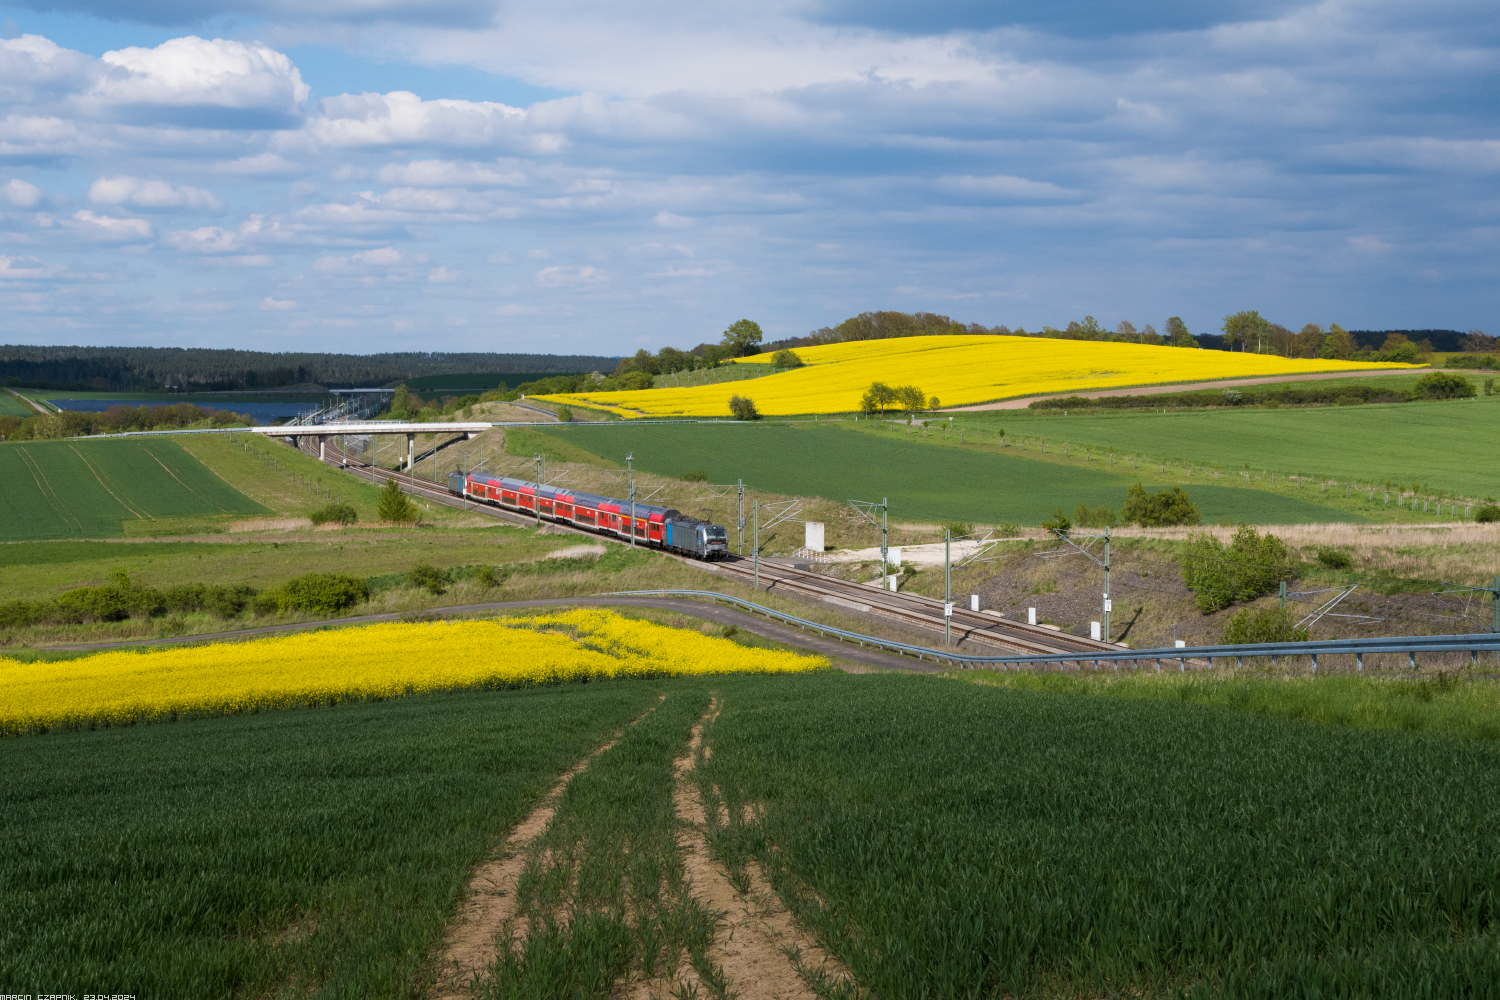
x=1444, y=385
x=1177, y=333
x=743, y=408
x=1060, y=524
x=1127, y=332
x=1150, y=336
x=742, y=335
x=401, y=403
x=1309, y=341
x=395, y=506
x=1477, y=342
x=912, y=398
x=1240, y=328
x=784, y=359
x=1338, y=344
x=877, y=397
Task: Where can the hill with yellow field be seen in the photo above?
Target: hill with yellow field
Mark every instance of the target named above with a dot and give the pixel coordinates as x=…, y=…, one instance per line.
x=959, y=370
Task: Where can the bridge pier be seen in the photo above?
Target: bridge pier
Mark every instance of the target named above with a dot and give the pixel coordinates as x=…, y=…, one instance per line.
x=411, y=452
x=322, y=447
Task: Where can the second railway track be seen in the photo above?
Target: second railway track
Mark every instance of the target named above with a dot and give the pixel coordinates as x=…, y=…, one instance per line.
x=912, y=610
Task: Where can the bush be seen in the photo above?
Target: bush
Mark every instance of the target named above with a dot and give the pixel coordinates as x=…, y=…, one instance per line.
x=334, y=513
x=1273, y=625
x=1250, y=566
x=429, y=577
x=485, y=576
x=318, y=593
x=221, y=601
x=1060, y=524
x=1334, y=559
x=395, y=506
x=1443, y=385
x=695, y=476
x=743, y=408
x=786, y=359
x=1165, y=509
x=1094, y=517
x=1487, y=513
x=565, y=414
x=957, y=529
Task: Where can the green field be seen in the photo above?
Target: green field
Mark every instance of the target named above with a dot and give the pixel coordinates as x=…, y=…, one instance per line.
x=1438, y=443
x=921, y=478
x=942, y=839
x=10, y=406
x=91, y=489
x=296, y=852
x=976, y=842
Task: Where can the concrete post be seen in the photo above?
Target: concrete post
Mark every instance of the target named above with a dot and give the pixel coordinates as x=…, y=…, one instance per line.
x=322, y=447
x=411, y=452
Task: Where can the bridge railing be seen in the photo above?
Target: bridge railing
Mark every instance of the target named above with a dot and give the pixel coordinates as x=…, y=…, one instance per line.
x=1411, y=645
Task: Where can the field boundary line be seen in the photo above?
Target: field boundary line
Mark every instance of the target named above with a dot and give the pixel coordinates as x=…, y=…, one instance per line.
x=470, y=940
x=101, y=482
x=185, y=486
x=44, y=486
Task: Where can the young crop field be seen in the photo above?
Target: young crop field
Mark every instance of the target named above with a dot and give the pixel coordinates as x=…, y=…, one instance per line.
x=290, y=852
x=966, y=841
x=1434, y=443
x=959, y=370
x=930, y=837
x=92, y=489
x=921, y=480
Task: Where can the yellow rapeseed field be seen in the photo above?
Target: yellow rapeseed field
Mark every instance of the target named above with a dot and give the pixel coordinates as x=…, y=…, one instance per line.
x=377, y=661
x=960, y=371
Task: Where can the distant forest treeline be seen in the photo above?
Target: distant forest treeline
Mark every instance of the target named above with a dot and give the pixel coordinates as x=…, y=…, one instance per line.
x=201, y=369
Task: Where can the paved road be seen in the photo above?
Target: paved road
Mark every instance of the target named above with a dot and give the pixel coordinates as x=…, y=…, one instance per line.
x=697, y=609
x=1156, y=390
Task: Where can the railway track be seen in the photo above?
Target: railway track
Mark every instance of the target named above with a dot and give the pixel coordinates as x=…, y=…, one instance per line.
x=912, y=610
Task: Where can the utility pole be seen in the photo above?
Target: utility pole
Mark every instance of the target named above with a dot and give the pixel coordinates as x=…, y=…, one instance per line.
x=630, y=479
x=741, y=533
x=536, y=499
x=1107, y=603
x=947, y=590
x=756, y=509
x=1283, y=595
x=884, y=548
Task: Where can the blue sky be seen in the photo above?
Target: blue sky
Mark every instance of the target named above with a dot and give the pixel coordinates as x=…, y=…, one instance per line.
x=369, y=175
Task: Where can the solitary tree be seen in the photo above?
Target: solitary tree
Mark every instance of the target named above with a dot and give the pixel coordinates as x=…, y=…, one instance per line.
x=1338, y=344
x=742, y=335
x=395, y=506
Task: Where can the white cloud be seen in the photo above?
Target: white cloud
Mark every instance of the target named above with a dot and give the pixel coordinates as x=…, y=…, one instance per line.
x=331, y=263
x=558, y=277
x=501, y=258
x=29, y=269
x=669, y=221
x=195, y=72
x=384, y=257
x=206, y=239
x=538, y=254
x=403, y=118
x=449, y=173
x=108, y=228
x=442, y=276
x=269, y=304
x=149, y=194
x=20, y=194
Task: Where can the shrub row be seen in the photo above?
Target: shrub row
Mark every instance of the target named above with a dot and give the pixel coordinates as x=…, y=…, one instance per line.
x=320, y=593
x=1434, y=385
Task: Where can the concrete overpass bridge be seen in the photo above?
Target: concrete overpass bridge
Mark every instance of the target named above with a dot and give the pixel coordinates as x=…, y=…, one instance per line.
x=369, y=428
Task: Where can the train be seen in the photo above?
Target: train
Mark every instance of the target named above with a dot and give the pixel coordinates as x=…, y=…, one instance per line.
x=658, y=527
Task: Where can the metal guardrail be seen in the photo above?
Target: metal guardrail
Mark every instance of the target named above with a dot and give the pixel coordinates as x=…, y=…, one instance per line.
x=1411, y=645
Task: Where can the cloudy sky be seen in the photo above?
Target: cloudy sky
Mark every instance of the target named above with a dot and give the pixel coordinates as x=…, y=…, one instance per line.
x=366, y=175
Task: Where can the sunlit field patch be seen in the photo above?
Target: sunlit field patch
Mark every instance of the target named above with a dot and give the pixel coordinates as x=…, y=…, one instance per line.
x=958, y=370
x=377, y=661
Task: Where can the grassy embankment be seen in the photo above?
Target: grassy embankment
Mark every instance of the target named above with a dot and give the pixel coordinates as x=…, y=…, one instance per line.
x=10, y=406
x=1336, y=855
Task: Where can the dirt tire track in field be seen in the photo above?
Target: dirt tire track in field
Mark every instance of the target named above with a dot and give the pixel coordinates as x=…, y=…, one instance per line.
x=185, y=486
x=45, y=486
x=470, y=941
x=756, y=931
x=100, y=478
